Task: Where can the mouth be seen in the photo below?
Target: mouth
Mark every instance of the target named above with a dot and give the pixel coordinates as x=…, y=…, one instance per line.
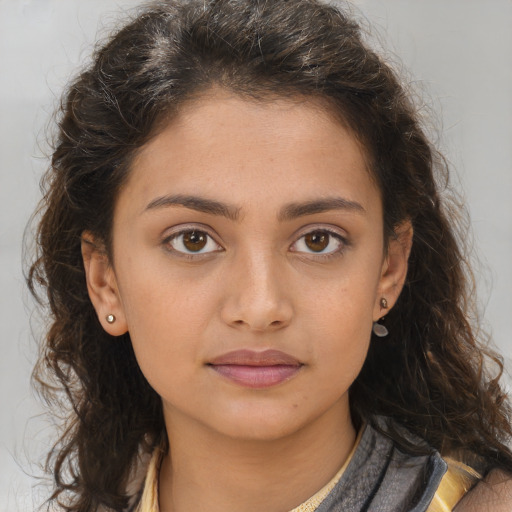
x=252, y=369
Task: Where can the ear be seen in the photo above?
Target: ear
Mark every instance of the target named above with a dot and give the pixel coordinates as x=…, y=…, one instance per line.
x=102, y=285
x=394, y=269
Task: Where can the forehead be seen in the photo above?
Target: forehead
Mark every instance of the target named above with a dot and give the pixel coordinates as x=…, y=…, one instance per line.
x=272, y=118
x=223, y=145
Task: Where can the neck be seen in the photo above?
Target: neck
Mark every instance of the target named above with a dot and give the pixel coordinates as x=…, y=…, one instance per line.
x=206, y=470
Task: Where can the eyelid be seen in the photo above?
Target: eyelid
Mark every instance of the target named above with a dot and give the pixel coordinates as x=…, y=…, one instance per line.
x=181, y=229
x=331, y=230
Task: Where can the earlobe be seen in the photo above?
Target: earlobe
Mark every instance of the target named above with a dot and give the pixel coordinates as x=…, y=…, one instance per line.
x=102, y=286
x=394, y=269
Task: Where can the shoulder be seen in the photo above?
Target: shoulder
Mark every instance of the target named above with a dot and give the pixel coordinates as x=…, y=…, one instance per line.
x=391, y=469
x=492, y=494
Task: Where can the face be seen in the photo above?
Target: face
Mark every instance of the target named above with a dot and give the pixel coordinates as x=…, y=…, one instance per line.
x=248, y=265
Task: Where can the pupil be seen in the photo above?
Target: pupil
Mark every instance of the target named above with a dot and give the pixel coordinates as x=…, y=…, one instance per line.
x=194, y=241
x=317, y=241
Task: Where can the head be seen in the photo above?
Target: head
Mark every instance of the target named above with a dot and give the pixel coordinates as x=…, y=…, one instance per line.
x=248, y=225
x=156, y=84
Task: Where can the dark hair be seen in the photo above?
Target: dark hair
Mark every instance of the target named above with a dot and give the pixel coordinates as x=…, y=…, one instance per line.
x=430, y=374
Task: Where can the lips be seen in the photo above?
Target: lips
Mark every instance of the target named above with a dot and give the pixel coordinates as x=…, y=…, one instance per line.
x=256, y=369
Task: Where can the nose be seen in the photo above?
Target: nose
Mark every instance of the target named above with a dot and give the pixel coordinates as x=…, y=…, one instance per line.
x=257, y=294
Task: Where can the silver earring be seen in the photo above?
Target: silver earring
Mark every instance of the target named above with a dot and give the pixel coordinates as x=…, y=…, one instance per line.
x=110, y=318
x=379, y=330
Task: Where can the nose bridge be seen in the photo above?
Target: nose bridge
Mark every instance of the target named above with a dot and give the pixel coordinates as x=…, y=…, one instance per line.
x=256, y=293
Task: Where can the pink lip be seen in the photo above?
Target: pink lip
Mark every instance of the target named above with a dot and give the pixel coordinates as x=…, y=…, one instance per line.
x=256, y=369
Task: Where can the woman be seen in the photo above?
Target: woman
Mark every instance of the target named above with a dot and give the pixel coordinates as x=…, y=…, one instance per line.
x=258, y=297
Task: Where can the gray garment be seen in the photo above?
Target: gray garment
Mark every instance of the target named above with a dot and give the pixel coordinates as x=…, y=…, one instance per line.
x=385, y=477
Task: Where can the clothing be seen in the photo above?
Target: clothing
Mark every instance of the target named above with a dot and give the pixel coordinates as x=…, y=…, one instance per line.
x=380, y=475
x=149, y=498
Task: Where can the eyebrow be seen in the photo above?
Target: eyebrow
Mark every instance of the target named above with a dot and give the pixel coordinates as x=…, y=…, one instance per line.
x=294, y=210
x=288, y=212
x=199, y=204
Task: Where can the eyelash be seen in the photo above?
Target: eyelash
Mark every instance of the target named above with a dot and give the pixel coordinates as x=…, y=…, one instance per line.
x=343, y=243
x=167, y=242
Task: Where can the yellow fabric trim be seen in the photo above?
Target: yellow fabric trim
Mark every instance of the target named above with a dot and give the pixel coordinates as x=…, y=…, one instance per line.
x=456, y=482
x=149, y=499
x=312, y=503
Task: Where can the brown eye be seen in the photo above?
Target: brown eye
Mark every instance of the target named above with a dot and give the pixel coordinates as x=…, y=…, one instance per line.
x=317, y=241
x=194, y=241
x=321, y=242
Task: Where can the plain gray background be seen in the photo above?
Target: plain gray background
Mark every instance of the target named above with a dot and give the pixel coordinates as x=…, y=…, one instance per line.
x=458, y=54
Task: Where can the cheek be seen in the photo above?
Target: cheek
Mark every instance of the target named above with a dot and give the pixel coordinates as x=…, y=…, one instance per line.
x=165, y=316
x=344, y=300
x=341, y=351
x=163, y=299
x=346, y=336
x=338, y=314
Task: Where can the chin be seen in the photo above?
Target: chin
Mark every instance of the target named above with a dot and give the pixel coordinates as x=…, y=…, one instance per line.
x=262, y=427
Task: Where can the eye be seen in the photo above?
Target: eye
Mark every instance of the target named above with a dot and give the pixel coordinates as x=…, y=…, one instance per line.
x=192, y=241
x=320, y=241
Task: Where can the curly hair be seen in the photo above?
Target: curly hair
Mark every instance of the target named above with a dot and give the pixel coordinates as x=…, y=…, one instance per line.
x=431, y=375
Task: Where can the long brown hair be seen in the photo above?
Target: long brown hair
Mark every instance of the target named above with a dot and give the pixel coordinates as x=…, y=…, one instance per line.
x=430, y=374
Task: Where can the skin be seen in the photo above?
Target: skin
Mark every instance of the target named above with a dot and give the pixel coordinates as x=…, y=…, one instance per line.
x=257, y=286
x=493, y=493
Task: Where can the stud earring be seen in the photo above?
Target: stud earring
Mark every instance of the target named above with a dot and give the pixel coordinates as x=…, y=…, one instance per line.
x=383, y=303
x=110, y=318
